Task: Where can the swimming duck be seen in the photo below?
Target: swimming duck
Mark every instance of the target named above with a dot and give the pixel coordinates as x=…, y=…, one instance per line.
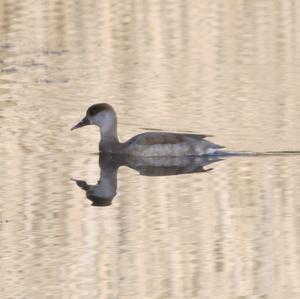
x=149, y=144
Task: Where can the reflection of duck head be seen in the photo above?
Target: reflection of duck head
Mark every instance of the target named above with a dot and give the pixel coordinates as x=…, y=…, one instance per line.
x=102, y=193
x=98, y=194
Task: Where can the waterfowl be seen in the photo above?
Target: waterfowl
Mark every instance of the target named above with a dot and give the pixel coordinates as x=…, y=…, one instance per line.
x=149, y=144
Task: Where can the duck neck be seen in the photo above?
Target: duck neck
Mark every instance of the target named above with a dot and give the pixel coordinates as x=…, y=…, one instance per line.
x=109, y=135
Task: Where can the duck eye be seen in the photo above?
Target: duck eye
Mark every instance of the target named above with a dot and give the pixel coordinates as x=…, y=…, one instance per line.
x=93, y=112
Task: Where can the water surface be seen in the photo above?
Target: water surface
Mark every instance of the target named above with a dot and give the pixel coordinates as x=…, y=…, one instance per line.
x=222, y=68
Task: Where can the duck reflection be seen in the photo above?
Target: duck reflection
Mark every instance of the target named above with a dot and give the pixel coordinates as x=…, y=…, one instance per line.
x=105, y=190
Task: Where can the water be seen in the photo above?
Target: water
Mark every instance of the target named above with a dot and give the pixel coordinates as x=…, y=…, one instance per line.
x=227, y=69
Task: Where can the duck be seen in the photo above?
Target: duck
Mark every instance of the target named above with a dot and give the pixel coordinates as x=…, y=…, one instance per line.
x=148, y=144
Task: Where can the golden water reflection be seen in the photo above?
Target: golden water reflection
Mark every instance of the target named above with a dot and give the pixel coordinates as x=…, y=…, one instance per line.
x=230, y=69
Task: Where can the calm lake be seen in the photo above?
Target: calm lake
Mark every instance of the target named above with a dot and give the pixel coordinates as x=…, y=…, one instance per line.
x=227, y=228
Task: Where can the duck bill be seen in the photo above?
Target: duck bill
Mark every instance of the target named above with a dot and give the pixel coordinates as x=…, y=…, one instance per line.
x=82, y=123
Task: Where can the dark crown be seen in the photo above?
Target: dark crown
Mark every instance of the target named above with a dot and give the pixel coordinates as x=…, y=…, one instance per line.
x=96, y=108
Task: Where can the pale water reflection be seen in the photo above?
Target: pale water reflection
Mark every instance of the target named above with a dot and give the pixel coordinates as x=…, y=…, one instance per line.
x=102, y=193
x=226, y=68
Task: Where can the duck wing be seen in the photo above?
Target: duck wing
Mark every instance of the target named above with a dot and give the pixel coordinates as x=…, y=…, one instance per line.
x=151, y=138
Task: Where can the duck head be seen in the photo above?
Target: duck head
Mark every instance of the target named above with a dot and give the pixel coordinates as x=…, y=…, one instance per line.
x=101, y=115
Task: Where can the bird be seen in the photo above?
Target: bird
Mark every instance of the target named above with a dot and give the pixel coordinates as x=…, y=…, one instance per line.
x=148, y=144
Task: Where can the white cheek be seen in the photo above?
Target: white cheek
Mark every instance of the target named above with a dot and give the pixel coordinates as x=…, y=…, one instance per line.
x=103, y=119
x=97, y=119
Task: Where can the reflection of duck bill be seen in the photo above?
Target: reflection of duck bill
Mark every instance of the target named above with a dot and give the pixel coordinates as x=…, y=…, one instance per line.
x=82, y=184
